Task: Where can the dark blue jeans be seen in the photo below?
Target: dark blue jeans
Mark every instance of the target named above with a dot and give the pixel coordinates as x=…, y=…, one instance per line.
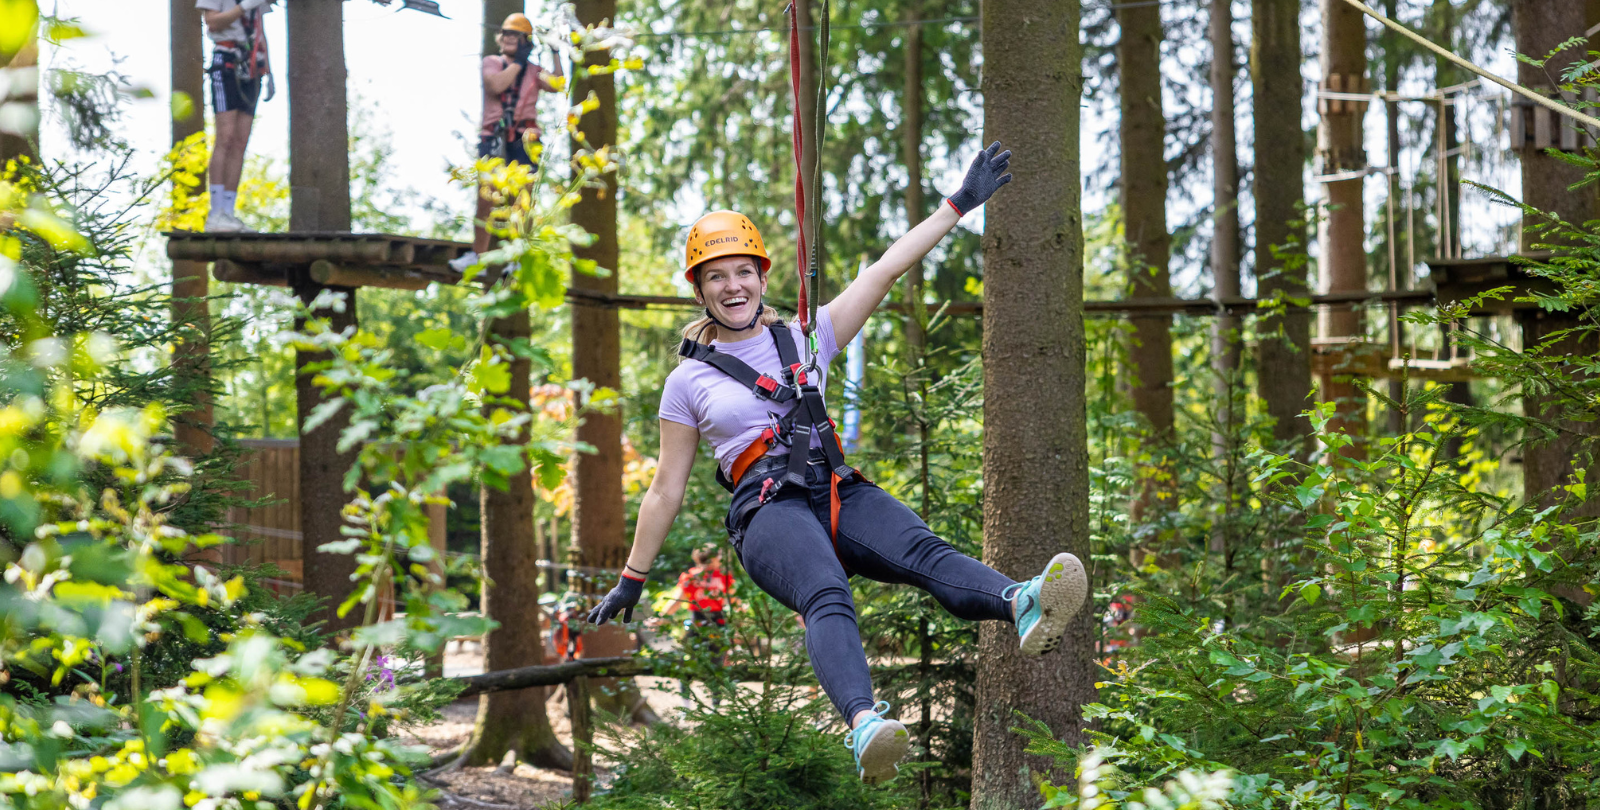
x=786, y=549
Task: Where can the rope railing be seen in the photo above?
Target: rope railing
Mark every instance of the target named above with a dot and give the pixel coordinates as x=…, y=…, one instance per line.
x=1142, y=306
x=627, y=666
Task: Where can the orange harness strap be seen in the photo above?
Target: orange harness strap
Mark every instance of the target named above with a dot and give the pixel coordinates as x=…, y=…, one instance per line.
x=758, y=449
x=751, y=455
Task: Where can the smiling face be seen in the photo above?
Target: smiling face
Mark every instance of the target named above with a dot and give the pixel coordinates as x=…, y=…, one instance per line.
x=731, y=287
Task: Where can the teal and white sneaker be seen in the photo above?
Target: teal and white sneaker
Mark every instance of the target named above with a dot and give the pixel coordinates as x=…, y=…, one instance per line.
x=878, y=744
x=1043, y=605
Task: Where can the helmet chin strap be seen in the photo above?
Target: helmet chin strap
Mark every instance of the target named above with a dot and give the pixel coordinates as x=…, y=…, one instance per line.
x=755, y=319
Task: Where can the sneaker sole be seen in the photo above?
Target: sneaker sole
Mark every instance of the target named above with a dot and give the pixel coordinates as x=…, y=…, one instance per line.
x=1060, y=598
x=883, y=751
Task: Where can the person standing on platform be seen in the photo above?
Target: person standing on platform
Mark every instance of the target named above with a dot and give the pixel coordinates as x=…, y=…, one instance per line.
x=512, y=82
x=239, y=69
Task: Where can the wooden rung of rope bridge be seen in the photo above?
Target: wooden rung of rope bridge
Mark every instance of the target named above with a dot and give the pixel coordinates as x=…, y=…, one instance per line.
x=330, y=259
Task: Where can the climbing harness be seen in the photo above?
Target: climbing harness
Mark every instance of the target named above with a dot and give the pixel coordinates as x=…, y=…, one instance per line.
x=250, y=58
x=808, y=416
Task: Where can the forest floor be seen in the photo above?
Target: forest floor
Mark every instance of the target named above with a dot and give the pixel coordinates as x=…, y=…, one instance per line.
x=522, y=787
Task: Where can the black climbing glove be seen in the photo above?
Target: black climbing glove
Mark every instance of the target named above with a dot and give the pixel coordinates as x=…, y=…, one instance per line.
x=984, y=177
x=621, y=600
x=524, y=53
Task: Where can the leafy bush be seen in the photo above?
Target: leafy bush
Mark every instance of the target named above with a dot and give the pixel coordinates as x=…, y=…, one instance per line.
x=747, y=747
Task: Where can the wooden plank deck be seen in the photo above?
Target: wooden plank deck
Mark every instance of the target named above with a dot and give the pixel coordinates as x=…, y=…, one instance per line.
x=334, y=259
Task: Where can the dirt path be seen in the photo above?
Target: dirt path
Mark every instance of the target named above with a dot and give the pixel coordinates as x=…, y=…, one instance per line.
x=522, y=787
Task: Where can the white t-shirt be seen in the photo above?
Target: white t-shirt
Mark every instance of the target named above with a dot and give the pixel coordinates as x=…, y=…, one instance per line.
x=235, y=32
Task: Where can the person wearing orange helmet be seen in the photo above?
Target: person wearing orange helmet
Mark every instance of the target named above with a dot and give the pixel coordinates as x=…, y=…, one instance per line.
x=512, y=81
x=802, y=520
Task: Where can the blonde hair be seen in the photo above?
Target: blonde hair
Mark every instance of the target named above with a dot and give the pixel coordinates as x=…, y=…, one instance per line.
x=705, y=330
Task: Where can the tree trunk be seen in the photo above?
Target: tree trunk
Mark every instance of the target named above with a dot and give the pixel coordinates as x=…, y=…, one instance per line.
x=1445, y=75
x=917, y=339
x=1344, y=256
x=508, y=543
x=319, y=157
x=597, y=515
x=495, y=12
x=1225, y=242
x=911, y=156
x=1148, y=246
x=513, y=721
x=191, y=356
x=1399, y=277
x=319, y=181
x=808, y=151
x=1540, y=26
x=1226, y=345
x=1035, y=456
x=1283, y=369
x=1449, y=137
x=23, y=144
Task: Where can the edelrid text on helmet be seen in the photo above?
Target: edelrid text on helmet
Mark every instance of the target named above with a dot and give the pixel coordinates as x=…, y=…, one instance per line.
x=723, y=233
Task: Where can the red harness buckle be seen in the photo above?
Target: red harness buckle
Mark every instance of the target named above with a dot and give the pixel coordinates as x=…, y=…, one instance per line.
x=799, y=376
x=767, y=384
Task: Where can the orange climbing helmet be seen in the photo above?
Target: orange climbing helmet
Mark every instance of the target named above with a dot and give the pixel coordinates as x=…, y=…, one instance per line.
x=518, y=22
x=722, y=233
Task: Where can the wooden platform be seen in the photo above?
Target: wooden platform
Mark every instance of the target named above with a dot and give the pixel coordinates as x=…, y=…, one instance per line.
x=1357, y=358
x=329, y=259
x=1459, y=279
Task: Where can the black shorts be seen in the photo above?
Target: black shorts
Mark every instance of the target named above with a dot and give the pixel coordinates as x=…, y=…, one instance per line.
x=229, y=93
x=516, y=151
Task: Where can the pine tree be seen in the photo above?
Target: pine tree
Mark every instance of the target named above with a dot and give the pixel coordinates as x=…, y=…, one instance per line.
x=1035, y=456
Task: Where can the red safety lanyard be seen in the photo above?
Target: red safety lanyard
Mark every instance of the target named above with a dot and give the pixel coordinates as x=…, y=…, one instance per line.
x=799, y=171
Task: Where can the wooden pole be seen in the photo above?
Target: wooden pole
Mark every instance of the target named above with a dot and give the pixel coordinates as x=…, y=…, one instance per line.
x=495, y=13
x=582, y=739
x=319, y=180
x=1339, y=147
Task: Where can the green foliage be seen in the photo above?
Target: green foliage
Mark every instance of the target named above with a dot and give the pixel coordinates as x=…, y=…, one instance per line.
x=742, y=747
x=1418, y=638
x=141, y=681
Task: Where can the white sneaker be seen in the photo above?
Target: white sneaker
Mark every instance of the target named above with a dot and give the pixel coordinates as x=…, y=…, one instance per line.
x=1046, y=603
x=878, y=744
x=464, y=261
x=223, y=221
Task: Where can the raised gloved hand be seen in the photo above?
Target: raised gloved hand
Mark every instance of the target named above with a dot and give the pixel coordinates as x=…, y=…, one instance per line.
x=524, y=53
x=984, y=177
x=621, y=599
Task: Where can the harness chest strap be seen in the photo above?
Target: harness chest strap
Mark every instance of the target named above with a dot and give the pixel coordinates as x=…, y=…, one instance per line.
x=795, y=428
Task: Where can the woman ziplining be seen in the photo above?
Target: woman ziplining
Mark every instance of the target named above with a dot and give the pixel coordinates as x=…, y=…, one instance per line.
x=803, y=522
